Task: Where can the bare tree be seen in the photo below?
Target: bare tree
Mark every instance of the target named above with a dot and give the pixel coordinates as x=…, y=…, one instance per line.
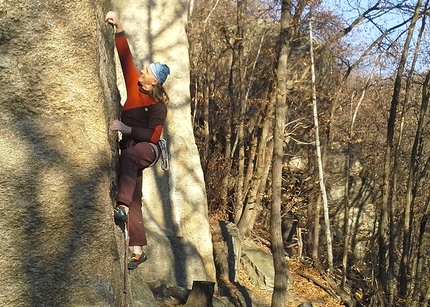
x=384, y=215
x=421, y=289
x=239, y=69
x=319, y=162
x=281, y=277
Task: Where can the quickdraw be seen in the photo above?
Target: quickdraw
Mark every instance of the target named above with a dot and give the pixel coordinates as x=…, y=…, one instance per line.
x=165, y=156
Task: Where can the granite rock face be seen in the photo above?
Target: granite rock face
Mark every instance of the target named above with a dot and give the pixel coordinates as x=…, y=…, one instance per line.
x=59, y=243
x=175, y=206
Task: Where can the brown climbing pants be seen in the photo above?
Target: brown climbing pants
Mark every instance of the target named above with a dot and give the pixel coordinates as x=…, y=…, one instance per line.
x=132, y=162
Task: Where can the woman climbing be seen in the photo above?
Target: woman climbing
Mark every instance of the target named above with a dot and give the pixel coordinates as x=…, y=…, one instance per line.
x=142, y=119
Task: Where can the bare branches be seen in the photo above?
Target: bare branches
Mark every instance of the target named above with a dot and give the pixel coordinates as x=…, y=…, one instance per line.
x=354, y=24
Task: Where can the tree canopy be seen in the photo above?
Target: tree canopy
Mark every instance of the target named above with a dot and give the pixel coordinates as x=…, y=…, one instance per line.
x=370, y=86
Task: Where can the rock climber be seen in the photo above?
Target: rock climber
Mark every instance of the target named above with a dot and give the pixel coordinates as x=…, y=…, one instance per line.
x=142, y=118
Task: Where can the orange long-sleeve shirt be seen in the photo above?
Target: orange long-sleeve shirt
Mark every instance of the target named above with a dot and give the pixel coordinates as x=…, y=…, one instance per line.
x=145, y=116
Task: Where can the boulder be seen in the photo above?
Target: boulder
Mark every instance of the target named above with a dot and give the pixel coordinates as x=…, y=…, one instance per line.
x=59, y=244
x=258, y=265
x=175, y=207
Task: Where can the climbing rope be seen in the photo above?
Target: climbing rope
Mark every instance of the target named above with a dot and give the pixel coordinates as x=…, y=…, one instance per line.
x=126, y=271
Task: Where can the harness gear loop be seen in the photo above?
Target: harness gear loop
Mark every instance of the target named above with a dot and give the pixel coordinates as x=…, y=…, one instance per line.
x=157, y=154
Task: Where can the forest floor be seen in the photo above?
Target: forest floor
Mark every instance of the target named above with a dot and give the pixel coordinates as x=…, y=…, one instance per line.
x=303, y=289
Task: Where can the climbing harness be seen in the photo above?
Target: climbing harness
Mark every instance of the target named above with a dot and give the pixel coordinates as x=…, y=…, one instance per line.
x=165, y=156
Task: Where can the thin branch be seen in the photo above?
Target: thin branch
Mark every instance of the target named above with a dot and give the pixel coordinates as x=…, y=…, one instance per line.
x=207, y=18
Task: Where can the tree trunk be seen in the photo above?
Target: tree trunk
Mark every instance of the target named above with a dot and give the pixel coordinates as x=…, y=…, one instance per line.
x=240, y=69
x=281, y=277
x=257, y=138
x=228, y=141
x=319, y=162
x=256, y=174
x=420, y=280
x=412, y=181
x=411, y=192
x=383, y=235
x=263, y=162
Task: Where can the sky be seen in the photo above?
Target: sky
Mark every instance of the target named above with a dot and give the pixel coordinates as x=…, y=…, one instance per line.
x=368, y=31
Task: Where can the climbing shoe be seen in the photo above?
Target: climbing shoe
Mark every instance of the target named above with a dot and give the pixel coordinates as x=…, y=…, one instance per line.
x=136, y=259
x=120, y=214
